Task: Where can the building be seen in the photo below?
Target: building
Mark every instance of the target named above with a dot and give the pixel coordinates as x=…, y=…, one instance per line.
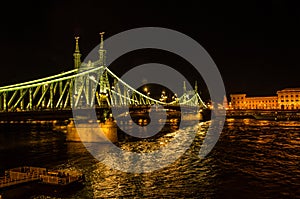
x=287, y=99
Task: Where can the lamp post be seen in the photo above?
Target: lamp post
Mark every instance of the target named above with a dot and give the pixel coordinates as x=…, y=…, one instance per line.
x=163, y=96
x=145, y=89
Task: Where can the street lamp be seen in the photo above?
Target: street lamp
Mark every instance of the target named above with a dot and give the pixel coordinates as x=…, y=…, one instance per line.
x=163, y=96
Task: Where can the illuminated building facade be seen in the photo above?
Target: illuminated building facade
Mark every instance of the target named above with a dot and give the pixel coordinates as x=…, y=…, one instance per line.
x=287, y=99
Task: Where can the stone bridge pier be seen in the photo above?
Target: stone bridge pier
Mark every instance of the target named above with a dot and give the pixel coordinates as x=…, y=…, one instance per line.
x=92, y=131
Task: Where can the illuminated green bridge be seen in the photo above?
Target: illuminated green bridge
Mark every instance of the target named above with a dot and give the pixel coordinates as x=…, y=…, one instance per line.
x=88, y=85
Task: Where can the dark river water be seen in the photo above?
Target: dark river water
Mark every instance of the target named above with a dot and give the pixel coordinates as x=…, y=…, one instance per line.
x=252, y=159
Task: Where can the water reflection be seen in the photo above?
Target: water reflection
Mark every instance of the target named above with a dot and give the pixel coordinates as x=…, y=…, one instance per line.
x=187, y=177
x=252, y=159
x=266, y=152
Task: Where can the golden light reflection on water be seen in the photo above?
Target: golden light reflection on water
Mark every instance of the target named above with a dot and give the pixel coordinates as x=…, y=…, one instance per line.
x=104, y=182
x=174, y=181
x=253, y=159
x=257, y=150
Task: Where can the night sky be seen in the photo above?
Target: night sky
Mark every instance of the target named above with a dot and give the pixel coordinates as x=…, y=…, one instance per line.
x=255, y=44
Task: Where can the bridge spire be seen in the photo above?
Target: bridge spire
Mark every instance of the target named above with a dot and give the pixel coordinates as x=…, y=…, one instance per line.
x=77, y=55
x=102, y=52
x=104, y=83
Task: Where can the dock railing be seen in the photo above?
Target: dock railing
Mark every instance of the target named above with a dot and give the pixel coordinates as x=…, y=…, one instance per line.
x=27, y=174
x=21, y=175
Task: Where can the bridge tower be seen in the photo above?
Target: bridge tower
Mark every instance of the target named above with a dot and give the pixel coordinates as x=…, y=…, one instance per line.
x=82, y=87
x=104, y=82
x=77, y=55
x=102, y=51
x=77, y=64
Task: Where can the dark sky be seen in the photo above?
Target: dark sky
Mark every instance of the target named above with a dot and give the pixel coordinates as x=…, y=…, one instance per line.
x=255, y=44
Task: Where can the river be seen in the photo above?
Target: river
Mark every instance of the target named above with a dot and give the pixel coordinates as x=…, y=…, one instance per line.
x=252, y=159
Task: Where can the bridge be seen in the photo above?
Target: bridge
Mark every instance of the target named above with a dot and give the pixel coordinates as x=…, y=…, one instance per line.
x=88, y=85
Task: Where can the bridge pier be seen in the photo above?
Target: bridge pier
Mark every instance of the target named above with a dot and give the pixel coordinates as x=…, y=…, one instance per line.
x=92, y=132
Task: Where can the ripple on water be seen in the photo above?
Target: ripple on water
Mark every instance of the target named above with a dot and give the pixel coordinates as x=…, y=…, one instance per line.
x=252, y=159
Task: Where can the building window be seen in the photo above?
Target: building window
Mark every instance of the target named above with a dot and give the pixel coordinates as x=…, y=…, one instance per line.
x=286, y=96
x=286, y=100
x=292, y=96
x=281, y=96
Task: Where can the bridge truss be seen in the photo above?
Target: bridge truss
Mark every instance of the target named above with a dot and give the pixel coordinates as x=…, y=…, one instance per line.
x=88, y=86
x=81, y=89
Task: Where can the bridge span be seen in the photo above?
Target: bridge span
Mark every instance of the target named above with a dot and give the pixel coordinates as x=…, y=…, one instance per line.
x=88, y=85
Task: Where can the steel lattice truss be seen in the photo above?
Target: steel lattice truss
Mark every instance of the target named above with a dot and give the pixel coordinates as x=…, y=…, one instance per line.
x=89, y=85
x=85, y=88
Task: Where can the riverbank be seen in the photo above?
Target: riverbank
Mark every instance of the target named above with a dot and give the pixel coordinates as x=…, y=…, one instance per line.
x=261, y=114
